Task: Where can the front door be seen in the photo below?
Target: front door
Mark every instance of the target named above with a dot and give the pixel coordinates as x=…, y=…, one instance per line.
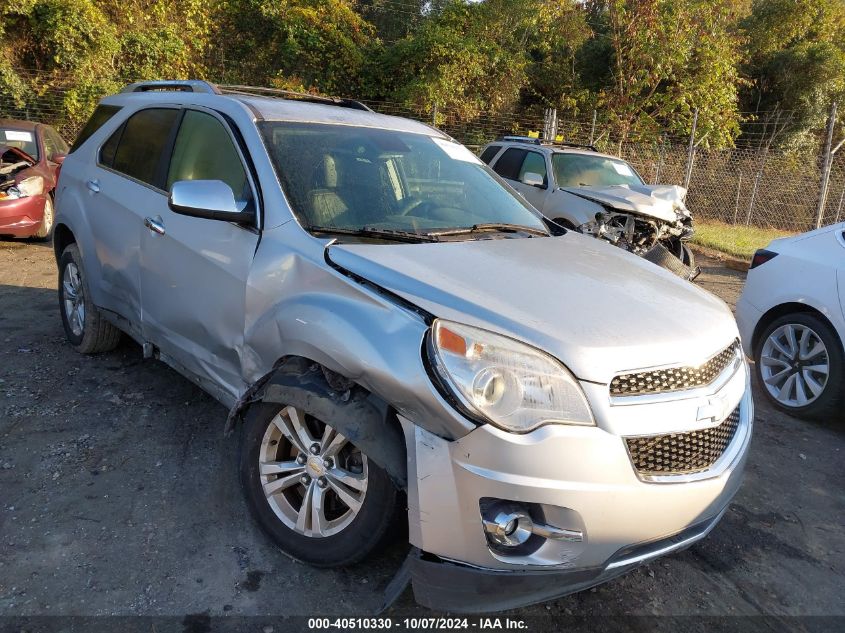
x=194, y=270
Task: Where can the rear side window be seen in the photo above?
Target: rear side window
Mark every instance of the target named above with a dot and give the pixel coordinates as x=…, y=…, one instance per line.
x=102, y=113
x=509, y=164
x=534, y=163
x=488, y=154
x=204, y=150
x=142, y=142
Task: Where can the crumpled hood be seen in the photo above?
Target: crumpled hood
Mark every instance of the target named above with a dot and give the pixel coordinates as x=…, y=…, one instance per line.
x=17, y=154
x=659, y=201
x=595, y=307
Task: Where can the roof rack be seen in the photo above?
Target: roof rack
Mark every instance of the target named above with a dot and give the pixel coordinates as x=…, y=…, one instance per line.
x=519, y=139
x=536, y=141
x=169, y=85
x=592, y=148
x=194, y=85
x=290, y=94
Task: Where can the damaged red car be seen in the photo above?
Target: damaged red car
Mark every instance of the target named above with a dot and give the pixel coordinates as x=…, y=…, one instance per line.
x=31, y=155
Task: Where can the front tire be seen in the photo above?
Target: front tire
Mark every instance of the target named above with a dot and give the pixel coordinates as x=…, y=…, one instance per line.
x=84, y=327
x=47, y=220
x=312, y=491
x=799, y=363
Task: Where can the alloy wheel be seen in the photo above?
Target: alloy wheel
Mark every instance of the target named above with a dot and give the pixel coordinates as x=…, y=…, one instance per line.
x=794, y=365
x=313, y=478
x=74, y=299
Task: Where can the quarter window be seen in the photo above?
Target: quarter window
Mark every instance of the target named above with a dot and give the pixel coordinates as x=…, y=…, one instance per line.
x=102, y=113
x=141, y=144
x=488, y=154
x=509, y=163
x=204, y=150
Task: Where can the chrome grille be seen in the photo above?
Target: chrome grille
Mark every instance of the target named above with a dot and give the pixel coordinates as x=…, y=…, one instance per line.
x=673, y=378
x=682, y=453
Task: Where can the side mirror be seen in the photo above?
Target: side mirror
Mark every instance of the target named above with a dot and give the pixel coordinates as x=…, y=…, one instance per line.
x=58, y=158
x=532, y=179
x=210, y=199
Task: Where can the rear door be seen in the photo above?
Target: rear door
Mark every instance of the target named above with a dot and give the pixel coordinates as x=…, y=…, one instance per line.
x=121, y=189
x=194, y=270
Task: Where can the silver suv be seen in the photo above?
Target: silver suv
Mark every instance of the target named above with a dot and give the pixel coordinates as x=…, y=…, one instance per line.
x=392, y=328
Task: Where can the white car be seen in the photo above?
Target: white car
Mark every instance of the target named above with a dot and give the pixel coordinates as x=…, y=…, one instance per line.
x=791, y=319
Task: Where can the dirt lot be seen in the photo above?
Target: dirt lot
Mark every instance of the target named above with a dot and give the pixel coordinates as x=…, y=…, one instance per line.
x=118, y=495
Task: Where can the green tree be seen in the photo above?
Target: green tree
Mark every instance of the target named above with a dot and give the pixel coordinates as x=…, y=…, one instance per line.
x=317, y=45
x=664, y=60
x=471, y=58
x=795, y=63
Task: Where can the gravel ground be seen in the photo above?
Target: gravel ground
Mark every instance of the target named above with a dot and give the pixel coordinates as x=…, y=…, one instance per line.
x=118, y=495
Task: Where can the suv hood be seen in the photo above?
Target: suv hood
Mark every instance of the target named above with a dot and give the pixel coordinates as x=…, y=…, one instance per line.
x=663, y=202
x=595, y=307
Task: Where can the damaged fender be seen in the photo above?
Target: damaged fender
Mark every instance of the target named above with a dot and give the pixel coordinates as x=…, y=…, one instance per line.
x=364, y=418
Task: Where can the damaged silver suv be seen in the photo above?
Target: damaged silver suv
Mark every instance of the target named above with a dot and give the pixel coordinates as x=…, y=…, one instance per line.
x=394, y=329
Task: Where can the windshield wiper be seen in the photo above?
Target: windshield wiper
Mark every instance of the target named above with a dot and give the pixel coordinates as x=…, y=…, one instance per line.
x=491, y=226
x=386, y=234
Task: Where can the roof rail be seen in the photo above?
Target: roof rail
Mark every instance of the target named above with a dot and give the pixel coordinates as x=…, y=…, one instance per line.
x=592, y=148
x=290, y=94
x=170, y=85
x=519, y=139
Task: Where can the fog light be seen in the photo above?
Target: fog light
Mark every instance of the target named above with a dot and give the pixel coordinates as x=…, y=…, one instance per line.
x=510, y=529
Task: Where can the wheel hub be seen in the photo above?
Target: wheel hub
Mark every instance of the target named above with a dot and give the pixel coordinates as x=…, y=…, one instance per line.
x=315, y=466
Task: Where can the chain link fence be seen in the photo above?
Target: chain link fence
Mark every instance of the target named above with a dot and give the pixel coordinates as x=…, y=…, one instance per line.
x=751, y=184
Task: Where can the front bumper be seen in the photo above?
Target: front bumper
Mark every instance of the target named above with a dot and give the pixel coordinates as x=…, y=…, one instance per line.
x=21, y=217
x=583, y=480
x=452, y=587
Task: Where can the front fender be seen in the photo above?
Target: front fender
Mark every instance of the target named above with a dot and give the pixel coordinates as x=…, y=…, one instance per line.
x=299, y=305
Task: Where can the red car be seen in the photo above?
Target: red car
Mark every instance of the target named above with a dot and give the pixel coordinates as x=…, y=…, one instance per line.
x=31, y=155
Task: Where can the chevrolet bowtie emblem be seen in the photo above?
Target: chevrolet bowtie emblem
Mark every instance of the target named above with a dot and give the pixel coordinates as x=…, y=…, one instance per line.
x=713, y=411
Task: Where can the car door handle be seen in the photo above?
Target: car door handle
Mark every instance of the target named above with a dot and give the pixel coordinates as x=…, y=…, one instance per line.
x=155, y=225
x=93, y=186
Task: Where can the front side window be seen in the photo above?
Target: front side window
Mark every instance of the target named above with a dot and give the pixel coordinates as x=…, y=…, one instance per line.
x=585, y=170
x=53, y=143
x=350, y=177
x=139, y=144
x=23, y=140
x=534, y=163
x=204, y=150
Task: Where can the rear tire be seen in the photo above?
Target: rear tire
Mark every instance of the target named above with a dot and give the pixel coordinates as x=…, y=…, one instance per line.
x=353, y=520
x=85, y=328
x=776, y=363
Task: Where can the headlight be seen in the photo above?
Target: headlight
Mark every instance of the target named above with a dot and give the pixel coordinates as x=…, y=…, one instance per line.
x=33, y=186
x=503, y=381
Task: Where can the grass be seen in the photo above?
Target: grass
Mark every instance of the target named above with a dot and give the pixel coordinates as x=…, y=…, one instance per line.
x=736, y=240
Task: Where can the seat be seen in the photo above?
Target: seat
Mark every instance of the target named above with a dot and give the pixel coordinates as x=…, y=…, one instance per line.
x=323, y=200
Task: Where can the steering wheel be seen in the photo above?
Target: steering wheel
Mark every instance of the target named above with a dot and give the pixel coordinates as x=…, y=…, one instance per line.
x=411, y=204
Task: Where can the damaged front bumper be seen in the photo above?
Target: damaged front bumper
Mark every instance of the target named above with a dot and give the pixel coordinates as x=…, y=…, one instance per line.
x=575, y=479
x=447, y=586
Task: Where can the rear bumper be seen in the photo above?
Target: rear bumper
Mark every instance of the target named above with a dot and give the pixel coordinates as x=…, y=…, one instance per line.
x=452, y=587
x=21, y=217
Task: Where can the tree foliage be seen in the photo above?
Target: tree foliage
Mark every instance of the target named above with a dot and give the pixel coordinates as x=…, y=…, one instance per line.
x=646, y=65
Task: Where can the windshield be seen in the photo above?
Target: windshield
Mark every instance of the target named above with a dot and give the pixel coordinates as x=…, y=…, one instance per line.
x=21, y=139
x=350, y=177
x=584, y=170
